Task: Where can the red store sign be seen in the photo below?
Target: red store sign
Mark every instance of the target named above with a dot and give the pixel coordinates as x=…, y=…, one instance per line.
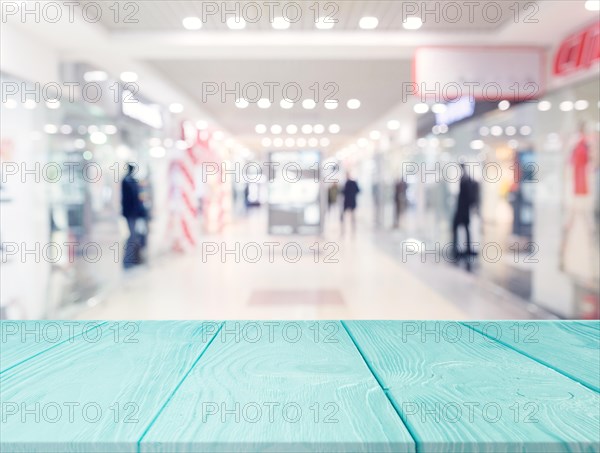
x=578, y=51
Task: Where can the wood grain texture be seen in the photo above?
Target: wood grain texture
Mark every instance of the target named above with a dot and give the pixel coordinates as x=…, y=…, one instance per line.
x=20, y=340
x=303, y=388
x=570, y=347
x=118, y=380
x=463, y=395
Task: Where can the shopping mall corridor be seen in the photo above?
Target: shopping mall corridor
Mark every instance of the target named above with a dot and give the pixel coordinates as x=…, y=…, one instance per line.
x=357, y=275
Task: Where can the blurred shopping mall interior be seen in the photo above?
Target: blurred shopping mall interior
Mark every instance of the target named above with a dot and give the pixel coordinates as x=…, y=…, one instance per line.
x=300, y=160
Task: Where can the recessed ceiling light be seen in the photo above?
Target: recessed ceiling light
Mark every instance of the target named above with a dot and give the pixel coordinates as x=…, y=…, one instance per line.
x=241, y=103
x=334, y=128
x=95, y=76
x=286, y=104
x=484, y=131
x=525, y=130
x=324, y=141
x=496, y=131
x=375, y=135
x=129, y=77
x=477, y=144
x=353, y=104
x=50, y=129
x=313, y=142
x=582, y=104
x=176, y=108
x=412, y=23
x=266, y=142
x=236, y=23
x=324, y=23
x=421, y=108
x=110, y=129
x=566, y=106
x=309, y=104
x=510, y=131
x=289, y=142
x=278, y=142
x=291, y=129
x=544, y=106
x=503, y=105
x=393, y=125
x=592, y=5
x=280, y=23
x=301, y=142
x=263, y=103
x=260, y=128
x=276, y=129
x=318, y=129
x=368, y=23
x=331, y=104
x=192, y=23
x=307, y=129
x=98, y=138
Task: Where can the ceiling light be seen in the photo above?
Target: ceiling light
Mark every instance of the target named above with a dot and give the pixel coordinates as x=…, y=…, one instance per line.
x=525, y=130
x=192, y=23
x=129, y=77
x=266, y=142
x=484, y=131
x=566, y=106
x=95, y=76
x=291, y=129
x=368, y=23
x=263, y=103
x=276, y=129
x=510, y=131
x=582, y=104
x=412, y=23
x=236, y=23
x=110, y=129
x=438, y=108
x=286, y=104
x=496, y=131
x=289, y=142
x=87, y=155
x=201, y=125
x=260, y=128
x=318, y=129
x=307, y=129
x=544, y=106
x=421, y=108
x=176, y=108
x=50, y=129
x=331, y=105
x=278, y=142
x=353, y=104
x=98, y=138
x=324, y=141
x=334, y=128
x=79, y=143
x=503, y=105
x=375, y=135
x=280, y=23
x=301, y=142
x=324, y=23
x=309, y=104
x=92, y=128
x=443, y=128
x=312, y=142
x=241, y=103
x=477, y=144
x=393, y=125
x=514, y=144
x=422, y=142
x=592, y=5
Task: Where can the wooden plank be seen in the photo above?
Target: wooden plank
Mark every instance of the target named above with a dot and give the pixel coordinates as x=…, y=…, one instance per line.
x=569, y=347
x=459, y=391
x=98, y=395
x=22, y=340
x=280, y=386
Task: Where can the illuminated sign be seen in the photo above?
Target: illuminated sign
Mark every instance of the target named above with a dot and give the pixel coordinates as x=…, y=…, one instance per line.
x=578, y=51
x=456, y=111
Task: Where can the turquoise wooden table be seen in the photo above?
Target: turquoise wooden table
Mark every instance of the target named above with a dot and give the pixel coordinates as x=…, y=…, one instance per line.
x=272, y=386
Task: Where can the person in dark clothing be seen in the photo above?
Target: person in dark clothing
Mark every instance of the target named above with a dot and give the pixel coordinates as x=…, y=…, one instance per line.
x=349, y=192
x=132, y=209
x=400, y=200
x=467, y=197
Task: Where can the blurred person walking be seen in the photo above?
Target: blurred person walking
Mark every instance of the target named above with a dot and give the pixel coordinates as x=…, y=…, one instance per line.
x=349, y=192
x=332, y=195
x=400, y=200
x=133, y=210
x=467, y=198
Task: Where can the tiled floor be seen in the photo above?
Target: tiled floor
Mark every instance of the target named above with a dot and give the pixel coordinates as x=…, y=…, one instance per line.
x=356, y=276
